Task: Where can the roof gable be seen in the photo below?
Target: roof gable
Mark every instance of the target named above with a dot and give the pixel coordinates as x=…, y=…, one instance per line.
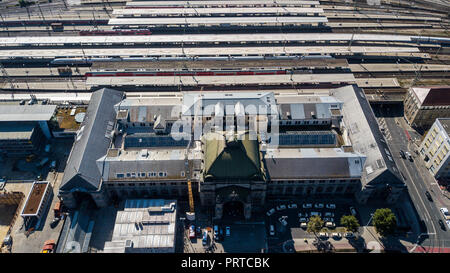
x=237, y=158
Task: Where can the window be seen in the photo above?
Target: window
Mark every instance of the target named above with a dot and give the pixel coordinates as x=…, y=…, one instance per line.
x=142, y=174
x=128, y=174
x=120, y=175
x=182, y=174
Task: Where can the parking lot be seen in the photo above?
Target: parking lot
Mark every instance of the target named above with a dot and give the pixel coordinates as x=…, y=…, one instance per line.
x=243, y=238
x=293, y=230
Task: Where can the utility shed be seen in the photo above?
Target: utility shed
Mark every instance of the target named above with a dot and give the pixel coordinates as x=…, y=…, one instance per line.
x=144, y=226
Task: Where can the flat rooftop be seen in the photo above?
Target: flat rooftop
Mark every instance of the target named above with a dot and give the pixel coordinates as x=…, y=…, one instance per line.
x=148, y=223
x=445, y=122
x=34, y=199
x=35, y=112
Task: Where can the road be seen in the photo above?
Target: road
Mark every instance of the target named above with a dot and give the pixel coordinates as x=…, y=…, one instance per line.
x=417, y=178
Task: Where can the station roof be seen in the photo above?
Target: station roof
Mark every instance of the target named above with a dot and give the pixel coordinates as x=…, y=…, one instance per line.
x=220, y=80
x=256, y=20
x=206, y=51
x=35, y=112
x=366, y=137
x=199, y=38
x=227, y=157
x=92, y=142
x=198, y=11
x=313, y=163
x=221, y=3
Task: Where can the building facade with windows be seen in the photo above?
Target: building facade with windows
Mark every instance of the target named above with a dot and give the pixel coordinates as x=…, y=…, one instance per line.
x=310, y=145
x=24, y=129
x=424, y=104
x=435, y=148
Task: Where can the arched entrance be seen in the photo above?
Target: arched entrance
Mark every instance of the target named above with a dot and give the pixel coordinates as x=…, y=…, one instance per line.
x=233, y=210
x=84, y=197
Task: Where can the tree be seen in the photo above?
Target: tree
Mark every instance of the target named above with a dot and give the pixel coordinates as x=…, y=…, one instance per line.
x=315, y=224
x=384, y=221
x=350, y=223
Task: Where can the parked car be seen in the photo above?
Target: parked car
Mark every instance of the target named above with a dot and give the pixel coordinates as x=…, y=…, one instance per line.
x=330, y=206
x=282, y=220
x=328, y=219
x=281, y=207
x=427, y=193
x=353, y=211
x=330, y=224
x=227, y=231
x=191, y=231
x=272, y=230
x=303, y=220
x=307, y=206
x=303, y=225
x=318, y=205
x=323, y=235
x=408, y=155
x=49, y=246
x=448, y=223
x=445, y=212
x=270, y=212
x=349, y=235
x=336, y=235
x=329, y=214
x=300, y=214
x=292, y=206
x=216, y=233
x=205, y=238
x=402, y=154
x=54, y=222
x=441, y=223
x=198, y=232
x=315, y=213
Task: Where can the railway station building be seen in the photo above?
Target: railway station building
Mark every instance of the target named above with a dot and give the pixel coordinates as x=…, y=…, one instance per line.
x=236, y=156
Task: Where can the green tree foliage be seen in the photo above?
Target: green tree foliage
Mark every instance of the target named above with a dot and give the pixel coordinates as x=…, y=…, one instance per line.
x=315, y=224
x=350, y=223
x=384, y=221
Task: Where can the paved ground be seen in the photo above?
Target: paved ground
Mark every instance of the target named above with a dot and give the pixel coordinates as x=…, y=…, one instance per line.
x=103, y=228
x=400, y=136
x=6, y=216
x=401, y=242
x=34, y=242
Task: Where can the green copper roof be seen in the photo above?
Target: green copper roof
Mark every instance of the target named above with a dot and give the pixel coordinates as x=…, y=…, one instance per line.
x=237, y=158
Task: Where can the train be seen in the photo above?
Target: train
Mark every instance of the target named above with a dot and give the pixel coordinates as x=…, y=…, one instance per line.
x=114, y=32
x=182, y=73
x=73, y=61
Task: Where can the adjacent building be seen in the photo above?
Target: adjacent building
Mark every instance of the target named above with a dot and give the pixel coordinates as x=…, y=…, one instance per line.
x=24, y=129
x=435, y=148
x=144, y=226
x=424, y=104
